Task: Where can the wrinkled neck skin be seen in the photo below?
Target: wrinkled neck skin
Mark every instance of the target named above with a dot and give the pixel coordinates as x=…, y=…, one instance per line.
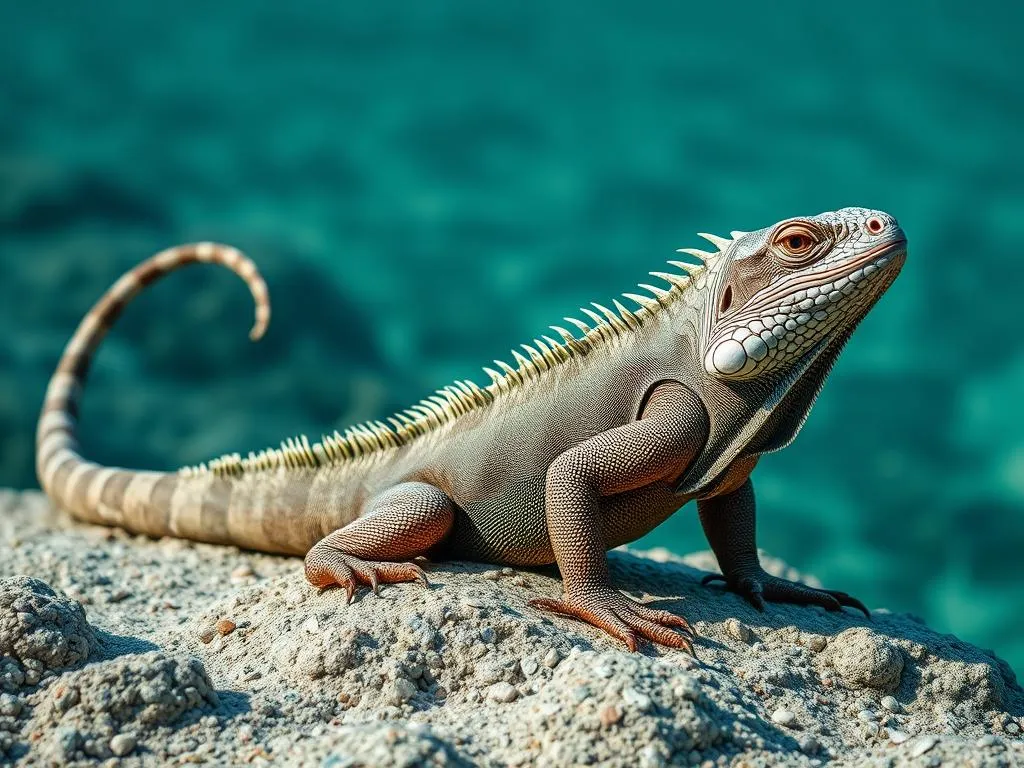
x=746, y=417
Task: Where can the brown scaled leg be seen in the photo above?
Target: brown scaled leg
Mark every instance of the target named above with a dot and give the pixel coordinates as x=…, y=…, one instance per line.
x=728, y=522
x=671, y=430
x=399, y=524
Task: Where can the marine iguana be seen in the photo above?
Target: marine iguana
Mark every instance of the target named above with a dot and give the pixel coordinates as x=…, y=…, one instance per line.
x=589, y=442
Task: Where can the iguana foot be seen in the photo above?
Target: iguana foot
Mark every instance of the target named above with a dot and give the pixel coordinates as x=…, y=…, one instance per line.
x=622, y=618
x=761, y=586
x=328, y=567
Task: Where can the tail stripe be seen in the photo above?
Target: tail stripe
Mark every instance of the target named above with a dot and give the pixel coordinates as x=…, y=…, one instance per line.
x=141, y=501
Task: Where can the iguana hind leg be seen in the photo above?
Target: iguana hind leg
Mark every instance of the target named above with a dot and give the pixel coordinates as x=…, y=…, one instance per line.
x=728, y=522
x=399, y=525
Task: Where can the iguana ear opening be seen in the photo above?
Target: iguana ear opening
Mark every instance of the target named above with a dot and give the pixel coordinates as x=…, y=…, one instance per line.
x=726, y=300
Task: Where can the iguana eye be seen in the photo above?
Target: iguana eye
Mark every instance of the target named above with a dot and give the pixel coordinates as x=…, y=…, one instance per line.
x=795, y=240
x=797, y=243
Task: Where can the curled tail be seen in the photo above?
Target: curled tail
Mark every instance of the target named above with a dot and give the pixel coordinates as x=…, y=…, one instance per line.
x=153, y=503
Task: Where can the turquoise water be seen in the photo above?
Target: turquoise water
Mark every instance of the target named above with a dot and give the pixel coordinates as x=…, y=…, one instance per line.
x=426, y=186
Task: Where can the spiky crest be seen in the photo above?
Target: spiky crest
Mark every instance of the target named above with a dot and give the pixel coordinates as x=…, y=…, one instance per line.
x=375, y=438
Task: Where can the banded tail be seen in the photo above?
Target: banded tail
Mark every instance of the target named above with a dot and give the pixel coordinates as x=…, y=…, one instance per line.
x=151, y=503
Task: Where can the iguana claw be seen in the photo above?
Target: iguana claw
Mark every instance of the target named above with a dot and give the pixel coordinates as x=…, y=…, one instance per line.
x=763, y=586
x=622, y=618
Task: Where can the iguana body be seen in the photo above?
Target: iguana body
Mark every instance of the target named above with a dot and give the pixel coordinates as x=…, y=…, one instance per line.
x=589, y=443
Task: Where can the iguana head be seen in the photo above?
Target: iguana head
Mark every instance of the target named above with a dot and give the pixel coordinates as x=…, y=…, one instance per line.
x=785, y=290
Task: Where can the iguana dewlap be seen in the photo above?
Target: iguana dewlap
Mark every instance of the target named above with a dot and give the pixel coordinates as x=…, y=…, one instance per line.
x=589, y=442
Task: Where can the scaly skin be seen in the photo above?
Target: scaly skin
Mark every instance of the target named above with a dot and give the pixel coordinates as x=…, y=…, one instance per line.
x=589, y=443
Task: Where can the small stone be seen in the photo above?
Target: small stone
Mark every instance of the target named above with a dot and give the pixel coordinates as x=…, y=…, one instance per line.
x=809, y=745
x=815, y=643
x=687, y=687
x=207, y=633
x=492, y=575
x=403, y=690
x=551, y=658
x=609, y=715
x=10, y=705
x=225, y=627
x=737, y=630
x=487, y=634
x=502, y=692
x=891, y=704
x=897, y=736
x=507, y=572
x=529, y=666
x=785, y=717
x=651, y=757
x=242, y=572
x=870, y=731
x=867, y=716
x=922, y=745
x=988, y=740
x=122, y=744
x=311, y=625
x=635, y=699
x=580, y=693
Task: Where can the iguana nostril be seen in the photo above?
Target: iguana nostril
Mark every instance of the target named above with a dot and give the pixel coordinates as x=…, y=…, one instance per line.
x=875, y=225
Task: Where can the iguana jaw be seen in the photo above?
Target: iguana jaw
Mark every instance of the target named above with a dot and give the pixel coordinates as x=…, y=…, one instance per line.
x=783, y=321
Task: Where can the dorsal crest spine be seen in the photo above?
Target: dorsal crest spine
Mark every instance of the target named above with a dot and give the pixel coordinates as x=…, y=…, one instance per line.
x=375, y=438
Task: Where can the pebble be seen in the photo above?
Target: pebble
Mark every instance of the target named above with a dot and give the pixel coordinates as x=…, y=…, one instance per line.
x=782, y=716
x=922, y=745
x=225, y=626
x=580, y=693
x=867, y=716
x=122, y=744
x=635, y=699
x=311, y=625
x=814, y=643
x=687, y=687
x=891, y=704
x=551, y=658
x=403, y=690
x=10, y=705
x=737, y=630
x=487, y=634
x=502, y=692
x=870, y=731
x=609, y=715
x=897, y=736
x=529, y=666
x=988, y=740
x=241, y=573
x=650, y=757
x=207, y=633
x=809, y=745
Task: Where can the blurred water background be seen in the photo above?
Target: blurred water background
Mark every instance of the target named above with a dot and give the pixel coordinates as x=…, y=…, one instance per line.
x=426, y=185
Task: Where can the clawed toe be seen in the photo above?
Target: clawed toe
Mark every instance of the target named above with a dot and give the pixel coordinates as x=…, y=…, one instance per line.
x=758, y=588
x=332, y=568
x=623, y=618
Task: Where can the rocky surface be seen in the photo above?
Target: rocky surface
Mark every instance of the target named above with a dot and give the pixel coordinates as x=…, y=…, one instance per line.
x=119, y=648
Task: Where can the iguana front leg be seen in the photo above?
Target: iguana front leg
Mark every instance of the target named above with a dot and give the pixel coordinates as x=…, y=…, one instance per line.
x=657, y=446
x=399, y=524
x=729, y=524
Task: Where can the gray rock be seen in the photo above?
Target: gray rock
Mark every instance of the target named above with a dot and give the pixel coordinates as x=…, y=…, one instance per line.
x=39, y=625
x=122, y=744
x=865, y=659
